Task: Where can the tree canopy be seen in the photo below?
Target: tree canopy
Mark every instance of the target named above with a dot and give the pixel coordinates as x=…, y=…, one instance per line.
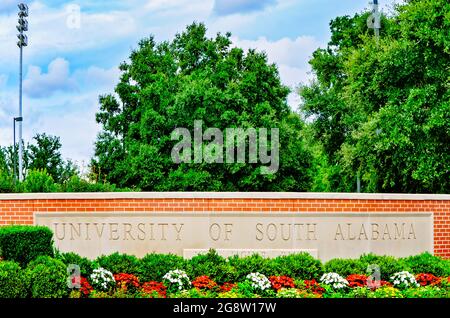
x=171, y=84
x=382, y=109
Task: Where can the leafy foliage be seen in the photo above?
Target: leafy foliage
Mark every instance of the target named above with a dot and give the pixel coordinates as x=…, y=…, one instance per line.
x=428, y=263
x=380, y=110
x=388, y=265
x=171, y=84
x=298, y=266
x=344, y=267
x=48, y=277
x=86, y=266
x=118, y=263
x=13, y=281
x=154, y=266
x=23, y=244
x=212, y=265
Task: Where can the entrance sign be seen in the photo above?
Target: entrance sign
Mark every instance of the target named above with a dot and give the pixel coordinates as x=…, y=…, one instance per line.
x=325, y=235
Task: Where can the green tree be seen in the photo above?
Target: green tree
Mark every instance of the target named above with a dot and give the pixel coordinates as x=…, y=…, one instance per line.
x=45, y=154
x=381, y=109
x=171, y=84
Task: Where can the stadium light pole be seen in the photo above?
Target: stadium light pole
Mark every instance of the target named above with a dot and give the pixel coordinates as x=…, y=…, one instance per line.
x=23, y=41
x=18, y=119
x=375, y=19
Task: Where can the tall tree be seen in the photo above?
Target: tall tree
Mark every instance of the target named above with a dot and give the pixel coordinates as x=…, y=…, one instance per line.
x=45, y=153
x=381, y=109
x=172, y=84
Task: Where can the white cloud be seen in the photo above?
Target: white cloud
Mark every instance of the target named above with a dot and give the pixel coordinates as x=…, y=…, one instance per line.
x=70, y=113
x=291, y=57
x=40, y=85
x=96, y=77
x=74, y=123
x=286, y=51
x=227, y=7
x=51, y=30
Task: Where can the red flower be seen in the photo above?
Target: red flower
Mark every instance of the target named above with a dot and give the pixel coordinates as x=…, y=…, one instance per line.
x=204, y=282
x=85, y=287
x=428, y=279
x=151, y=287
x=124, y=281
x=313, y=286
x=279, y=282
x=227, y=287
x=356, y=280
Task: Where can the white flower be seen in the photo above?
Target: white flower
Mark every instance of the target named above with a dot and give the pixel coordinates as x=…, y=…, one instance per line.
x=404, y=280
x=102, y=278
x=259, y=281
x=334, y=280
x=179, y=278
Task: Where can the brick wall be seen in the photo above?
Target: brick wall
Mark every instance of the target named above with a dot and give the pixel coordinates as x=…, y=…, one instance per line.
x=19, y=208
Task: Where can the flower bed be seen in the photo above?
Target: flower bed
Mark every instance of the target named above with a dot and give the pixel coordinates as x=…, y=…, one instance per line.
x=170, y=276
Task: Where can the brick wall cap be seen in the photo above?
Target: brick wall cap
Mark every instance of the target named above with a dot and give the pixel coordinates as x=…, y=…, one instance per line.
x=223, y=195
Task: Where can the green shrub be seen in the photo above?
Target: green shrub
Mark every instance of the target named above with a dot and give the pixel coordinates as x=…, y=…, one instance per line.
x=119, y=263
x=48, y=278
x=86, y=266
x=425, y=292
x=245, y=289
x=389, y=265
x=22, y=244
x=252, y=264
x=6, y=183
x=298, y=266
x=427, y=263
x=13, y=281
x=39, y=181
x=345, y=267
x=360, y=292
x=77, y=184
x=154, y=266
x=193, y=293
x=213, y=265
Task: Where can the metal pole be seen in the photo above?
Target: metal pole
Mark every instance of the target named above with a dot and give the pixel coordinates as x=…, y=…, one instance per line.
x=14, y=151
x=20, y=115
x=358, y=183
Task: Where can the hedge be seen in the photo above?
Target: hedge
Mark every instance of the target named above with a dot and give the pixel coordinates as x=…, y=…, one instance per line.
x=23, y=244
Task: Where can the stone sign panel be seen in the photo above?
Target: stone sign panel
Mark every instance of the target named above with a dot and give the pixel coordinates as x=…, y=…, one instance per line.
x=324, y=235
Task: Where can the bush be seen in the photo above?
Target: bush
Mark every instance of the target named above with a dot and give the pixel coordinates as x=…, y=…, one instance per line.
x=427, y=263
x=48, y=278
x=213, y=265
x=6, y=183
x=39, y=181
x=344, y=267
x=77, y=184
x=13, y=282
x=153, y=267
x=387, y=292
x=252, y=264
x=120, y=263
x=86, y=266
x=389, y=265
x=425, y=292
x=23, y=244
x=298, y=266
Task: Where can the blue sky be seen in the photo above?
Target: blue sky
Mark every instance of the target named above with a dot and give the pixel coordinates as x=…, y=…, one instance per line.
x=69, y=64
